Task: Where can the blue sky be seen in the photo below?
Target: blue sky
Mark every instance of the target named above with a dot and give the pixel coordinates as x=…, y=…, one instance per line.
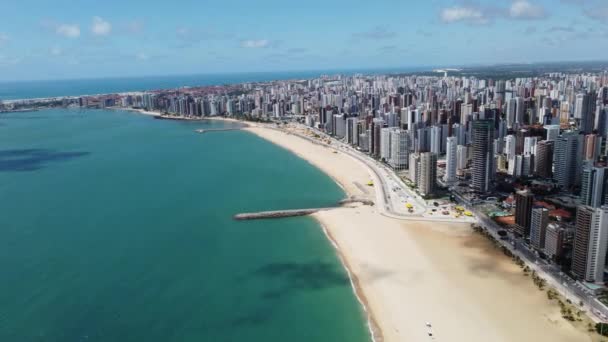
x=41, y=39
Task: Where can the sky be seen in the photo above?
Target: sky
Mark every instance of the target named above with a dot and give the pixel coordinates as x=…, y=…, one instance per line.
x=62, y=39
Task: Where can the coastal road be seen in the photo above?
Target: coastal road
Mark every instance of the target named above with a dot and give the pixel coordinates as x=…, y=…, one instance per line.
x=568, y=287
x=390, y=189
x=392, y=207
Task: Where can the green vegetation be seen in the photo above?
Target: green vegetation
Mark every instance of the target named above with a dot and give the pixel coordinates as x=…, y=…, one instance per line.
x=602, y=328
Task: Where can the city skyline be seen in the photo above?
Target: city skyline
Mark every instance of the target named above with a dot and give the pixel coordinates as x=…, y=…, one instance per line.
x=62, y=41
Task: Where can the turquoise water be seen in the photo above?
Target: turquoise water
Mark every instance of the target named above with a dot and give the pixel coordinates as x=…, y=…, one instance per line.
x=52, y=88
x=117, y=227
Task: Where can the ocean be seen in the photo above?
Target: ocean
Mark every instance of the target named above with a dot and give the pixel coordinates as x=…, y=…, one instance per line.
x=55, y=88
x=118, y=227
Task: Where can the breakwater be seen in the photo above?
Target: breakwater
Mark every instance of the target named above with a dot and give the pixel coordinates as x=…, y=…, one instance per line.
x=297, y=212
x=206, y=130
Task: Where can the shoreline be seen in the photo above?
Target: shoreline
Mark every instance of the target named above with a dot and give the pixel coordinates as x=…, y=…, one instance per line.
x=374, y=249
x=380, y=246
x=372, y=325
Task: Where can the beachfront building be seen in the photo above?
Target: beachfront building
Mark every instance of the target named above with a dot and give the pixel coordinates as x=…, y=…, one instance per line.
x=385, y=144
x=568, y=159
x=483, y=154
x=523, y=212
x=374, y=138
x=593, y=186
x=451, y=162
x=339, y=126
x=428, y=173
x=590, y=243
x=400, y=149
x=554, y=241
x=352, y=135
x=414, y=168
x=538, y=227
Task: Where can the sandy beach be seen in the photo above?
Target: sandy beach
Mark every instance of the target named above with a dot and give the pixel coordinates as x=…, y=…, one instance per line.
x=408, y=273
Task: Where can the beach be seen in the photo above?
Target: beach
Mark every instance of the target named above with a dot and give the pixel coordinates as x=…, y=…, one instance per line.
x=410, y=273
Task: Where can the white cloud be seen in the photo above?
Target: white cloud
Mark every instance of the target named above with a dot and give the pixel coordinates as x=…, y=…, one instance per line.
x=100, y=27
x=56, y=50
x=67, y=30
x=9, y=61
x=375, y=33
x=255, y=44
x=599, y=13
x=3, y=38
x=523, y=9
x=140, y=56
x=136, y=26
x=463, y=14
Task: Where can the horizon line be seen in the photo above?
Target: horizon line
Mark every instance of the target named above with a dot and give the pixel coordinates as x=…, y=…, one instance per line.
x=331, y=70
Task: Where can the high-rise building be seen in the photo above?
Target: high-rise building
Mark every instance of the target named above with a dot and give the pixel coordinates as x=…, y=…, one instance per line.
x=451, y=160
x=511, y=112
x=568, y=159
x=583, y=111
x=483, y=154
x=385, y=143
x=523, y=212
x=592, y=146
x=436, y=142
x=339, y=126
x=593, y=186
x=428, y=173
x=519, y=112
x=530, y=145
x=543, y=163
x=414, y=168
x=351, y=131
x=538, y=227
x=554, y=241
x=462, y=157
x=400, y=149
x=552, y=132
x=510, y=146
x=376, y=128
x=590, y=242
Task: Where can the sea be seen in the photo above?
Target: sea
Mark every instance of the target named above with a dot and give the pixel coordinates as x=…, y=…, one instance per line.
x=115, y=226
x=11, y=90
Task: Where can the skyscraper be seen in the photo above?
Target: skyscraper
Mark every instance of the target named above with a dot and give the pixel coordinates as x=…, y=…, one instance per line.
x=451, y=161
x=462, y=156
x=592, y=146
x=593, y=186
x=351, y=131
x=511, y=112
x=428, y=173
x=523, y=212
x=538, y=226
x=584, y=111
x=590, y=241
x=544, y=159
x=568, y=159
x=552, y=132
x=483, y=154
x=385, y=143
x=400, y=149
x=436, y=141
x=554, y=241
x=374, y=146
x=519, y=111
